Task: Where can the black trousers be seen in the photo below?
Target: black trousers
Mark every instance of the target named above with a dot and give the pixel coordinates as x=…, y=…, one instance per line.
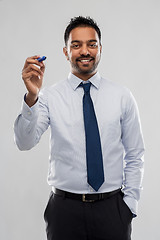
x=69, y=219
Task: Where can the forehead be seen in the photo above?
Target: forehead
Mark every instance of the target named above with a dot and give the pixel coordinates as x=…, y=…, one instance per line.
x=83, y=34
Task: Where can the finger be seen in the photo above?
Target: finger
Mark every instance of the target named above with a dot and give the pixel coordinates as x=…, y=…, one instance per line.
x=27, y=76
x=32, y=60
x=33, y=67
x=42, y=68
x=35, y=57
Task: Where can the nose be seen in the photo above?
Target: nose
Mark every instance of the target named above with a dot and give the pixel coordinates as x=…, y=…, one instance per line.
x=84, y=50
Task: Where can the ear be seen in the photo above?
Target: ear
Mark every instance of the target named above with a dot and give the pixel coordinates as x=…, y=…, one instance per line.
x=65, y=52
x=100, y=48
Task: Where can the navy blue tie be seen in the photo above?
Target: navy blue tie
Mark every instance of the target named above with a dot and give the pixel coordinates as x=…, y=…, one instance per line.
x=95, y=171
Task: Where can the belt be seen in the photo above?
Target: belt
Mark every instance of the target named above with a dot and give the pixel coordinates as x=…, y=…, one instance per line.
x=86, y=197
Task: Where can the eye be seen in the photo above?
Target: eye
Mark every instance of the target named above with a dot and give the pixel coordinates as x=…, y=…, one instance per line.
x=93, y=45
x=75, y=45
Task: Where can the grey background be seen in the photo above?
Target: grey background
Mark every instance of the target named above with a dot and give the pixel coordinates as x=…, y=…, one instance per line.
x=131, y=56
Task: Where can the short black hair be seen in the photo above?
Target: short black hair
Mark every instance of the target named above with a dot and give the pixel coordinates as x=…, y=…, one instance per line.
x=81, y=21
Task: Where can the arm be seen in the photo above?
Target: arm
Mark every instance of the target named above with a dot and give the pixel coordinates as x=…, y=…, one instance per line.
x=134, y=149
x=33, y=120
x=31, y=123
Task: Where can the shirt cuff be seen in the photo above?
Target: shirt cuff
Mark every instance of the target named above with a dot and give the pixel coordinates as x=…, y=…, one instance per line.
x=30, y=113
x=132, y=204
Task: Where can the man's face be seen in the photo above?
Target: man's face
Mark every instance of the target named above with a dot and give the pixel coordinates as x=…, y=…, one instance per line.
x=83, y=51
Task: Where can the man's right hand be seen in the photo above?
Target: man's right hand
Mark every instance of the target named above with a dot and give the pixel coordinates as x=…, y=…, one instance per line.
x=32, y=76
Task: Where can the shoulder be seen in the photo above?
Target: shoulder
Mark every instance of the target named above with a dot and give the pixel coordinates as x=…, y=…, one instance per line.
x=118, y=93
x=115, y=87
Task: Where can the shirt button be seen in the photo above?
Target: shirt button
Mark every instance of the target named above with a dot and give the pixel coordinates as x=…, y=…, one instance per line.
x=29, y=113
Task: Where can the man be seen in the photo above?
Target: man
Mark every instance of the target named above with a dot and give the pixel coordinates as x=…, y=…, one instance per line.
x=93, y=123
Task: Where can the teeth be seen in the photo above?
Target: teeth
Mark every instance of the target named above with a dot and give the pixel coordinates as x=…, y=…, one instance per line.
x=85, y=60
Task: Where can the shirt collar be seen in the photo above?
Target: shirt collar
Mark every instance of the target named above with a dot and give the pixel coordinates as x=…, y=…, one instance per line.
x=75, y=81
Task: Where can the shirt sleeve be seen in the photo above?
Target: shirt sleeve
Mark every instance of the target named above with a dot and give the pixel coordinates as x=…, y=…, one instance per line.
x=31, y=123
x=134, y=149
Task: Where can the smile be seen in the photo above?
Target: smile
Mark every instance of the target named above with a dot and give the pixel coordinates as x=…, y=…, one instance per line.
x=85, y=60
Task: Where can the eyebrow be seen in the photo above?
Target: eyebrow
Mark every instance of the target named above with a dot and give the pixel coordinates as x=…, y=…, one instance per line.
x=77, y=41
x=93, y=40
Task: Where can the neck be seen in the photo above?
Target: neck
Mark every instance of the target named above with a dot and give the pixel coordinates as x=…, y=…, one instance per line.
x=84, y=77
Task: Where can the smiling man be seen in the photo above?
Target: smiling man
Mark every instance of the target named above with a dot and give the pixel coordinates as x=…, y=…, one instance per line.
x=95, y=128
x=83, y=50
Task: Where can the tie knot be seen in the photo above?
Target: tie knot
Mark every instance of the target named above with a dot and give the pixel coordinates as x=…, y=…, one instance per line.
x=86, y=87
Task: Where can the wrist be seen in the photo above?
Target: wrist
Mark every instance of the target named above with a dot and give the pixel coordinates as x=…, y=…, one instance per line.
x=31, y=99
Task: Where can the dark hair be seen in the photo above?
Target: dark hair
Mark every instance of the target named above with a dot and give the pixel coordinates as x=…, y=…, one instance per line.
x=81, y=21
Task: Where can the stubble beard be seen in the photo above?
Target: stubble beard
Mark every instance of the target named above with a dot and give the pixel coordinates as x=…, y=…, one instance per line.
x=83, y=71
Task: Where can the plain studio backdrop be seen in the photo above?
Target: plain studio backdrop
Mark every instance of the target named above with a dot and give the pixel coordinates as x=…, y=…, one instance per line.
x=131, y=57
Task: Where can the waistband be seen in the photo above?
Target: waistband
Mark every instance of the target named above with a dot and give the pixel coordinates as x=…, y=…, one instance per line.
x=86, y=197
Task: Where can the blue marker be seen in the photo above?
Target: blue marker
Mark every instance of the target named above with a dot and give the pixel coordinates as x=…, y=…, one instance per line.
x=41, y=59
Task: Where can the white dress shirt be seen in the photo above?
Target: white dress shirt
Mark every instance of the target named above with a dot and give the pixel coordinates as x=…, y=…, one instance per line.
x=60, y=107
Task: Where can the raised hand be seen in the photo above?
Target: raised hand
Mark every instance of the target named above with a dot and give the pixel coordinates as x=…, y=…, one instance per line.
x=32, y=75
